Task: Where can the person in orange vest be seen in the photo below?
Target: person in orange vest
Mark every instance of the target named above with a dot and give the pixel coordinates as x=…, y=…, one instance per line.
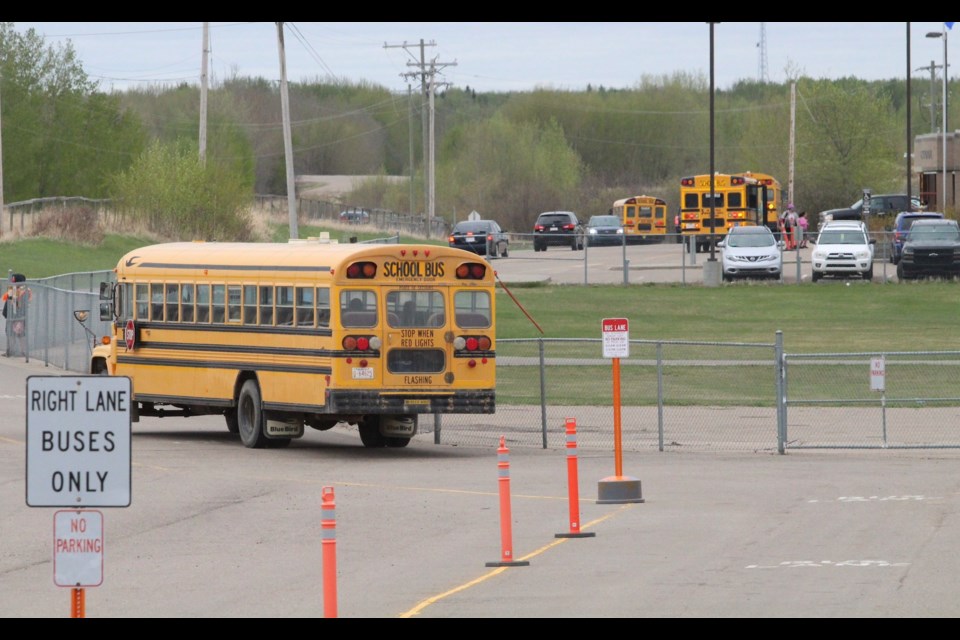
x=15, y=301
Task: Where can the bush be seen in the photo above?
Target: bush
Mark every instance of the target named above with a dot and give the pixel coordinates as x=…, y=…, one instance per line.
x=78, y=225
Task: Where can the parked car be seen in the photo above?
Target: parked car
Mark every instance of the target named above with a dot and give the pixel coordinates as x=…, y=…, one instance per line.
x=880, y=205
x=901, y=226
x=355, y=216
x=844, y=248
x=484, y=237
x=932, y=248
x=604, y=229
x=751, y=252
x=558, y=228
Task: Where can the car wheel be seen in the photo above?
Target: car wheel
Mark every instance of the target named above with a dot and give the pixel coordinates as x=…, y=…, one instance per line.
x=815, y=276
x=573, y=244
x=868, y=274
x=900, y=274
x=503, y=254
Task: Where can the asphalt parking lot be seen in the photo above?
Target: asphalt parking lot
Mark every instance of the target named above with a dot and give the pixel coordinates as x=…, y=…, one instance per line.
x=218, y=530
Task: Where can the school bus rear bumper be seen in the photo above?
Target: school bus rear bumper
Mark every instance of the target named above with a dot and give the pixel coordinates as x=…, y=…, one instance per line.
x=400, y=401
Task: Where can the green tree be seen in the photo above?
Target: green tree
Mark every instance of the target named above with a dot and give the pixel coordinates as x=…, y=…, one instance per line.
x=61, y=137
x=169, y=191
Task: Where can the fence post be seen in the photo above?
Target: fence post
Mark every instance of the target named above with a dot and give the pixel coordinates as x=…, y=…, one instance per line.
x=780, y=367
x=543, y=395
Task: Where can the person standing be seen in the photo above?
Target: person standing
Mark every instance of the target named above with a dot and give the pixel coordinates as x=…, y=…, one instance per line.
x=789, y=227
x=15, y=301
x=802, y=224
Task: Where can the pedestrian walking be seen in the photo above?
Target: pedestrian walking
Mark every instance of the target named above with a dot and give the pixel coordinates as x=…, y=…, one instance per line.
x=789, y=226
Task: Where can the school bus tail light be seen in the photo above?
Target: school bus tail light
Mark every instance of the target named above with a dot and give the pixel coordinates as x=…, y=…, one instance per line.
x=363, y=270
x=361, y=343
x=471, y=271
x=472, y=343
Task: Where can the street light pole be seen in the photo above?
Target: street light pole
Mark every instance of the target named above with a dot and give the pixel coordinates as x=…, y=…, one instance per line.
x=943, y=106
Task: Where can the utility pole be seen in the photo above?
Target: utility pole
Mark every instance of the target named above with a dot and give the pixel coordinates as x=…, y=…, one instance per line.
x=203, y=94
x=428, y=86
x=933, y=79
x=793, y=136
x=423, y=94
x=287, y=138
x=410, y=138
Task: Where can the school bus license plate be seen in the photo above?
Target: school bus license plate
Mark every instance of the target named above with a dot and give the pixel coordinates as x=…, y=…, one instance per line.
x=362, y=373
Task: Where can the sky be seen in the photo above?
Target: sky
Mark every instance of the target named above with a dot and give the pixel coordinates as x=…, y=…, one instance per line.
x=498, y=56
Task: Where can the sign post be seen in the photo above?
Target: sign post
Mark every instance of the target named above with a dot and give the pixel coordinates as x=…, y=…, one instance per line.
x=78, y=456
x=878, y=382
x=616, y=345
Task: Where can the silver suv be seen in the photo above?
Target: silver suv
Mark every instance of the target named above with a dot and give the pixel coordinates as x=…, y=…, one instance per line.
x=844, y=248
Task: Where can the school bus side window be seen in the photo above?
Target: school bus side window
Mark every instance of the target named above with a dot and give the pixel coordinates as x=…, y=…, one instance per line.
x=285, y=306
x=143, y=301
x=126, y=300
x=186, y=302
x=233, y=303
x=219, y=303
x=266, y=305
x=306, y=311
x=156, y=302
x=173, y=296
x=249, y=304
x=323, y=307
x=203, y=303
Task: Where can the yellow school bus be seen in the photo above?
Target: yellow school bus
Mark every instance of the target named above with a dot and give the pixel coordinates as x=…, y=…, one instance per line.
x=644, y=218
x=738, y=199
x=276, y=336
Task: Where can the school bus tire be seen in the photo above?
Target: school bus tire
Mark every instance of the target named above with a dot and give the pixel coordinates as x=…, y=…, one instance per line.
x=396, y=442
x=250, y=418
x=233, y=426
x=370, y=434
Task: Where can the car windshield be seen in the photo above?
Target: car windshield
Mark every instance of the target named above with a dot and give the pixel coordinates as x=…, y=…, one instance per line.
x=934, y=233
x=473, y=226
x=604, y=221
x=751, y=240
x=837, y=236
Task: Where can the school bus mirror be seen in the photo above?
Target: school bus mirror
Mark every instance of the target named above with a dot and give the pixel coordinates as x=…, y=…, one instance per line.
x=106, y=291
x=81, y=315
x=106, y=311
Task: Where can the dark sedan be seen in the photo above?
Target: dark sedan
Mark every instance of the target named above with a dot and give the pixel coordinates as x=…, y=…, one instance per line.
x=604, y=229
x=484, y=237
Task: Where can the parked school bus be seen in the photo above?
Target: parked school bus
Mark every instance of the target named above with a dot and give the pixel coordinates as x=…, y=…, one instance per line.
x=746, y=198
x=277, y=336
x=644, y=218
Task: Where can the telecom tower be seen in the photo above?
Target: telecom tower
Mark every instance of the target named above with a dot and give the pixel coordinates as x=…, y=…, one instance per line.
x=762, y=45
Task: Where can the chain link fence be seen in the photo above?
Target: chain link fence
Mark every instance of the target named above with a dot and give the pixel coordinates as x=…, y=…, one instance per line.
x=673, y=395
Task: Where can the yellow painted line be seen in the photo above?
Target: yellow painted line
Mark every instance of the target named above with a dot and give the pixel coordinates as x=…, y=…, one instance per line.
x=416, y=610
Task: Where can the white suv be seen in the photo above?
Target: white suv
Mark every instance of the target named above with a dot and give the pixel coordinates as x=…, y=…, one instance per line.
x=844, y=248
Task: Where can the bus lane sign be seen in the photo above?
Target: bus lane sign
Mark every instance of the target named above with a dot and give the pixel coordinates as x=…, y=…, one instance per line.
x=616, y=337
x=78, y=441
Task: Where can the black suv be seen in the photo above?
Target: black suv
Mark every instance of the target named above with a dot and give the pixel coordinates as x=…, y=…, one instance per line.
x=932, y=248
x=558, y=228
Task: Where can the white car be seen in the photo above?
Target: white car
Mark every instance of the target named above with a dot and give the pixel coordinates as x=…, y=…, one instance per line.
x=844, y=248
x=751, y=252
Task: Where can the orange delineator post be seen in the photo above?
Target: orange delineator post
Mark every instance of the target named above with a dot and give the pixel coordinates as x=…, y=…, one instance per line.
x=78, y=603
x=506, y=529
x=617, y=443
x=573, y=483
x=328, y=525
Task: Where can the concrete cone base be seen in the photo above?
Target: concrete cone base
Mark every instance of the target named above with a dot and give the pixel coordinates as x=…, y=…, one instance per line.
x=619, y=489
